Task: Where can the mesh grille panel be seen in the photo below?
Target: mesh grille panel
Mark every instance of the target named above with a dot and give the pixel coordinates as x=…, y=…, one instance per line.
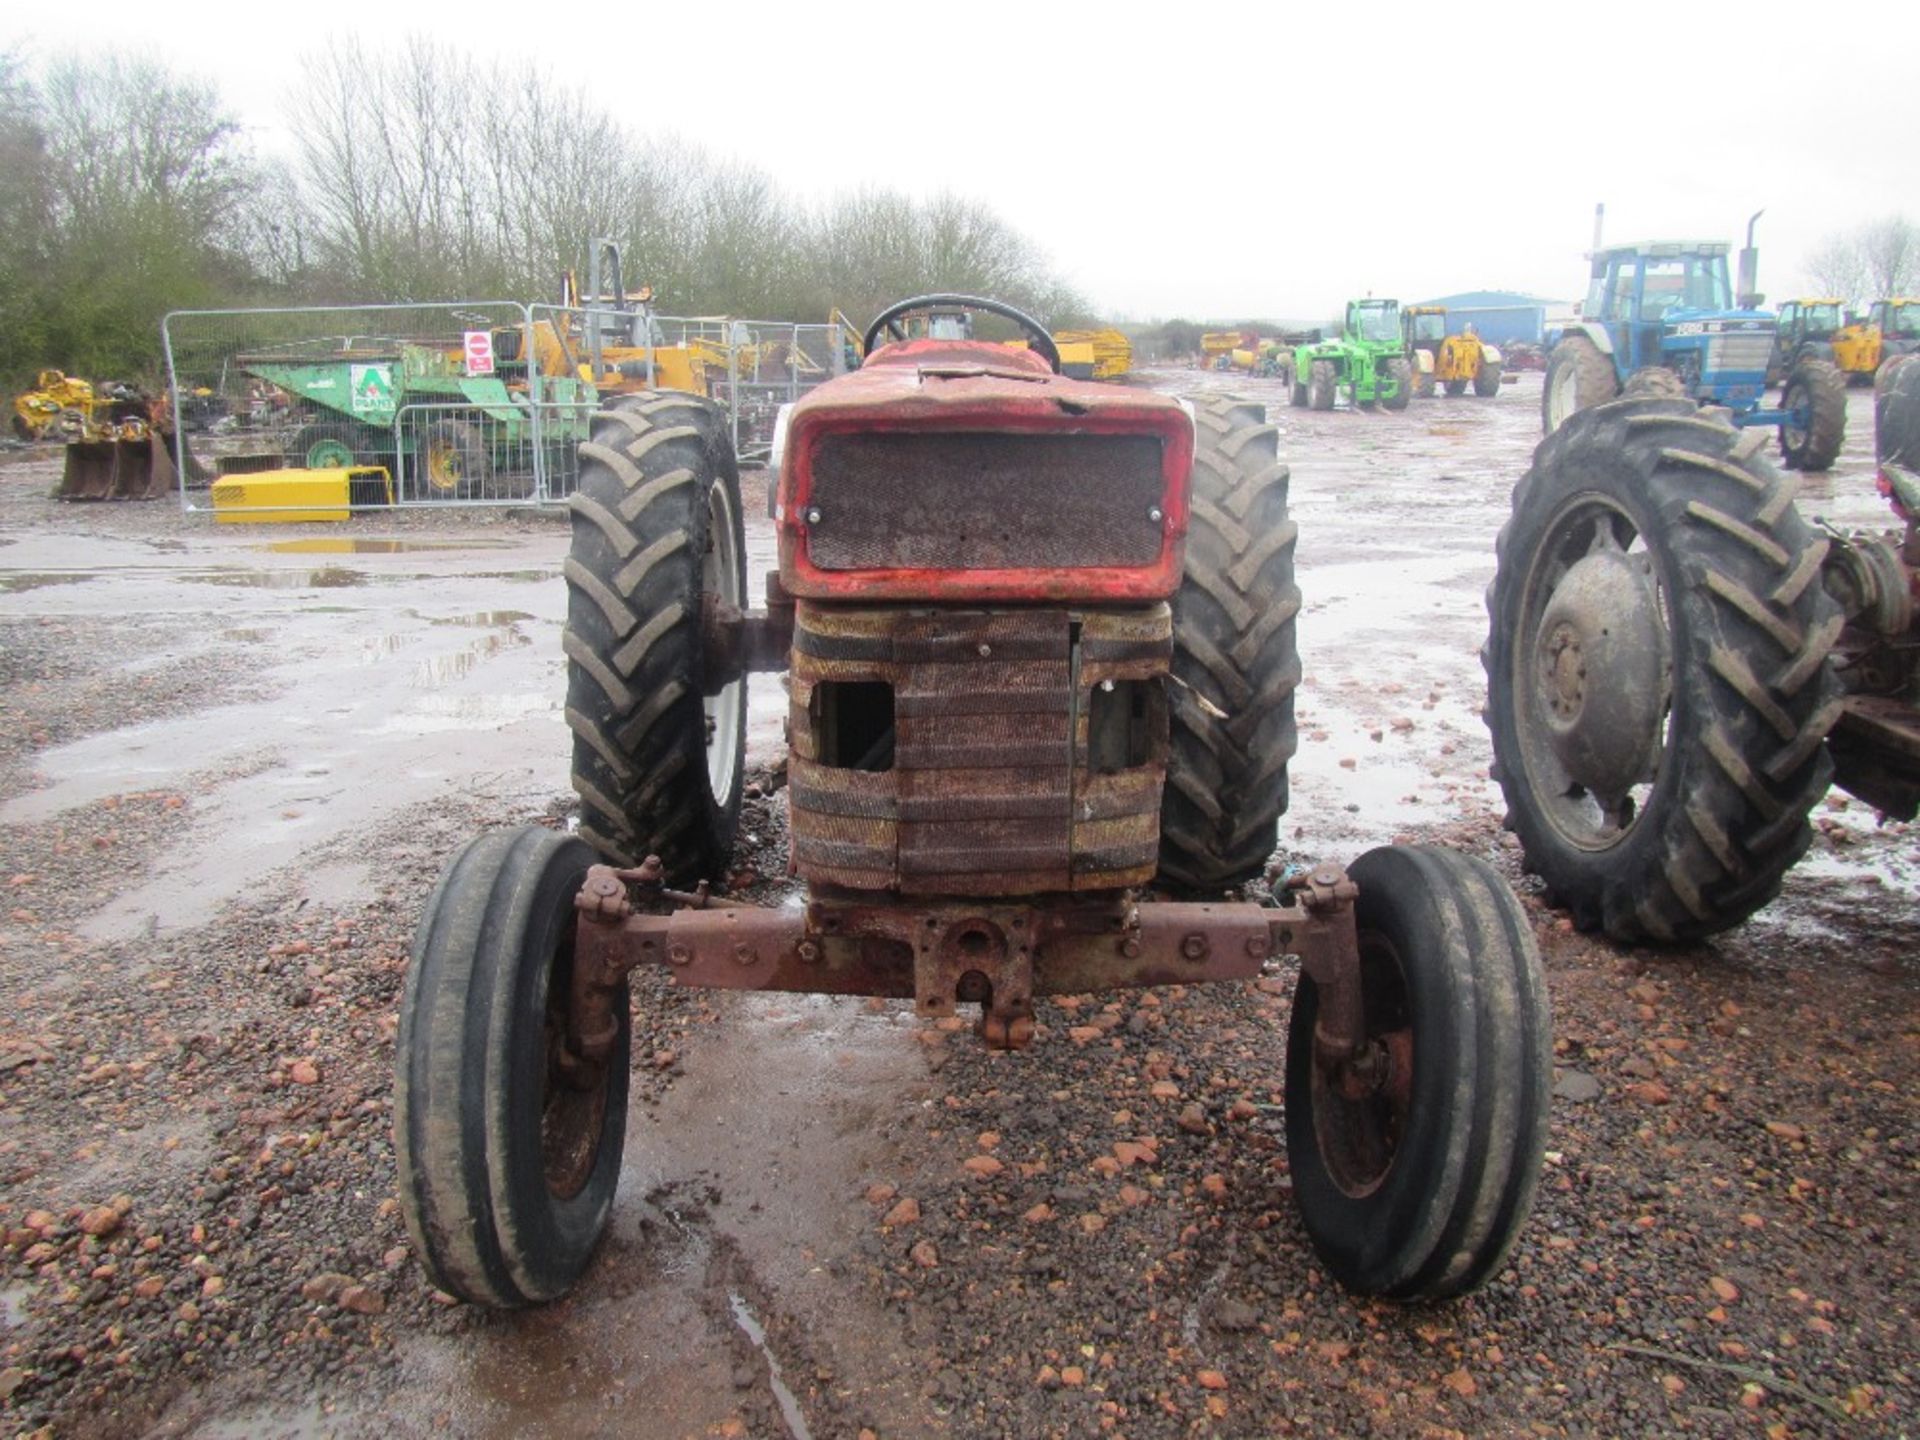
x=984, y=500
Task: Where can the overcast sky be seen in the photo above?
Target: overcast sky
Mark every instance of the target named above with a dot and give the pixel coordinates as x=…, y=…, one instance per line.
x=1215, y=161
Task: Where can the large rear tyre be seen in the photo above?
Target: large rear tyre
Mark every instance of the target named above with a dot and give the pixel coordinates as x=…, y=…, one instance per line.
x=1578, y=378
x=1414, y=1184
x=1399, y=376
x=1320, y=385
x=508, y=1147
x=1816, y=399
x=659, y=744
x=1657, y=685
x=1488, y=379
x=1233, y=648
x=1896, y=413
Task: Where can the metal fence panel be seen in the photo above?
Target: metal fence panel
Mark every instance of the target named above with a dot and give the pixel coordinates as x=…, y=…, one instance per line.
x=463, y=402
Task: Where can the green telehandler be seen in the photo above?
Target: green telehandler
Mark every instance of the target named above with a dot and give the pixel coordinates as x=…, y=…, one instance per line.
x=1368, y=360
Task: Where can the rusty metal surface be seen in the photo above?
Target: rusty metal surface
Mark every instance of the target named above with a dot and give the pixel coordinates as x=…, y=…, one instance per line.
x=982, y=500
x=945, y=953
x=989, y=789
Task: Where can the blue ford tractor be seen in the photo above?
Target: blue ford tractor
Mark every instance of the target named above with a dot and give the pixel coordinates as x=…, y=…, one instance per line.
x=1662, y=319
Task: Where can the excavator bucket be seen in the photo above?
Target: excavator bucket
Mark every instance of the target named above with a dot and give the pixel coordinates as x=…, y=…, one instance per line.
x=117, y=470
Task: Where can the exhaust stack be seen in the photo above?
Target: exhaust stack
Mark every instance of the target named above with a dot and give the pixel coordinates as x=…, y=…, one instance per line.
x=1747, y=294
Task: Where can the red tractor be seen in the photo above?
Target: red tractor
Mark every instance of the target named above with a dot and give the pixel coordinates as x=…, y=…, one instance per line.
x=1039, y=635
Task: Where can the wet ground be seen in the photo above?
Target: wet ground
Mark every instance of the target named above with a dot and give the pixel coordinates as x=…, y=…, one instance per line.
x=233, y=757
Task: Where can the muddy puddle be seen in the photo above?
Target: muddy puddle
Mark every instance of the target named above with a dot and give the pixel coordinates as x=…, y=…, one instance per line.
x=14, y=583
x=365, y=545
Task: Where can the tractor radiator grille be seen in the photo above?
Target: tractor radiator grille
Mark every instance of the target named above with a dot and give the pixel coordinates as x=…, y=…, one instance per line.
x=985, y=500
x=1739, y=352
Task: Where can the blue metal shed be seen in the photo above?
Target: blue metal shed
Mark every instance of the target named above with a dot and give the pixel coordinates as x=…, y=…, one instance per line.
x=1499, y=317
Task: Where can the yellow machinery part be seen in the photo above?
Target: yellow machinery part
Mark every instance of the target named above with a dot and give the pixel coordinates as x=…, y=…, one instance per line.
x=1856, y=349
x=275, y=497
x=1459, y=359
x=1112, y=352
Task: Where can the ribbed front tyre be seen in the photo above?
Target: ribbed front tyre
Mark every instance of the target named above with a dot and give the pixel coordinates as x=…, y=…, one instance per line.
x=508, y=1147
x=1415, y=1182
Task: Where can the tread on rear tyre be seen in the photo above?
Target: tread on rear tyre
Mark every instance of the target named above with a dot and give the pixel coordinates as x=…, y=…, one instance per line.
x=657, y=762
x=1233, y=644
x=1657, y=685
x=1415, y=1188
x=507, y=1161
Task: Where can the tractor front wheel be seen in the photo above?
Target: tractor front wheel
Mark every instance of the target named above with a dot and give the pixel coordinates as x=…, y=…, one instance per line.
x=1487, y=379
x=1816, y=404
x=508, y=1143
x=1234, y=654
x=1578, y=378
x=1657, y=685
x=1399, y=377
x=658, y=540
x=1415, y=1171
x=1320, y=385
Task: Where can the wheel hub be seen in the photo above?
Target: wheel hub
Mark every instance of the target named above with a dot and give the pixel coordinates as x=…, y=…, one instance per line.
x=1600, y=662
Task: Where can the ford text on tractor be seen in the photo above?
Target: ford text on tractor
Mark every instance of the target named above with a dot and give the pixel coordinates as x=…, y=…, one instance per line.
x=1661, y=319
x=1039, y=641
x=1368, y=360
x=1679, y=664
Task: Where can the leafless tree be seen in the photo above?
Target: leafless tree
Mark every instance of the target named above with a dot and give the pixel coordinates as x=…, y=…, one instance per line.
x=1876, y=259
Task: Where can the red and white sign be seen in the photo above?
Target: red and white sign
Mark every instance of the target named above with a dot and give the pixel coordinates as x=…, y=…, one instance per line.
x=479, y=345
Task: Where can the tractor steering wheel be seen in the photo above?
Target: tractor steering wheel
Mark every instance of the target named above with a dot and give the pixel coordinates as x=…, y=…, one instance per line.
x=889, y=320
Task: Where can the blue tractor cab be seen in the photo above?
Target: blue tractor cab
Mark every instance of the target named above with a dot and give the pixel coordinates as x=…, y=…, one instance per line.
x=1662, y=319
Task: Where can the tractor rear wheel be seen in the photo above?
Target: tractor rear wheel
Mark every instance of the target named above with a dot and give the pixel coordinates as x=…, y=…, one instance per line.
x=1657, y=685
x=659, y=746
x=508, y=1145
x=1487, y=379
x=1320, y=385
x=1816, y=399
x=1578, y=378
x=1400, y=376
x=1422, y=383
x=1896, y=413
x=1414, y=1180
x=1234, y=657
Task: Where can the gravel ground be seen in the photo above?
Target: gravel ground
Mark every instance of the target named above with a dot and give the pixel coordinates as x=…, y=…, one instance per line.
x=833, y=1219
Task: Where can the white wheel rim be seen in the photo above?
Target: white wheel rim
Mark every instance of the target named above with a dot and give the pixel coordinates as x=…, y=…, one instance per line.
x=1561, y=401
x=720, y=576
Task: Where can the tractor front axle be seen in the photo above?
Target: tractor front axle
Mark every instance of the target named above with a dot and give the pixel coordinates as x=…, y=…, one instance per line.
x=941, y=953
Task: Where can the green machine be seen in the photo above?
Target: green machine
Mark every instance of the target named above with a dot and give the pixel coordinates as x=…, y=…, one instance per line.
x=1368, y=360
x=470, y=436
